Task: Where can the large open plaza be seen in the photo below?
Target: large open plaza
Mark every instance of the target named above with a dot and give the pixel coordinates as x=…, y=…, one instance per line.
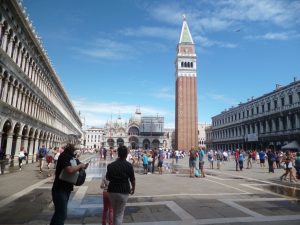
x=225, y=196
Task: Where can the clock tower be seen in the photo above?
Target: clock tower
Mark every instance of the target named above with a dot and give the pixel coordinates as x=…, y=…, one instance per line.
x=186, y=118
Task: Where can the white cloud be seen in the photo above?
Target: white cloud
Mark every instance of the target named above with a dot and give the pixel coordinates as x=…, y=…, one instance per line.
x=279, y=12
x=108, y=49
x=222, y=98
x=205, y=42
x=282, y=36
x=164, y=93
x=156, y=32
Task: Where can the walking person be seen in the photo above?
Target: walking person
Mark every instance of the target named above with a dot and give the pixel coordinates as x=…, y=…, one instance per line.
x=21, y=157
x=61, y=190
x=249, y=158
x=262, y=156
x=271, y=159
x=210, y=156
x=201, y=162
x=107, y=213
x=237, y=156
x=145, y=162
x=241, y=160
x=42, y=152
x=160, y=161
x=119, y=173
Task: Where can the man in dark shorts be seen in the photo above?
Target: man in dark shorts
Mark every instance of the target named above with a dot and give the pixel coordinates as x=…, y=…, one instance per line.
x=262, y=156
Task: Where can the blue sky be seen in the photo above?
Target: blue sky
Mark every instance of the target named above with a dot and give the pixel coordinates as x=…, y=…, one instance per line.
x=115, y=55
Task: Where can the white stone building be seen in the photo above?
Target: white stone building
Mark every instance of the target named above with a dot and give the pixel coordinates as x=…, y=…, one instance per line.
x=202, y=134
x=269, y=121
x=34, y=107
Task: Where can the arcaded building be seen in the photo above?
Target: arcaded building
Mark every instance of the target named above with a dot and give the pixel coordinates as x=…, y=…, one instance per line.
x=186, y=107
x=269, y=121
x=34, y=107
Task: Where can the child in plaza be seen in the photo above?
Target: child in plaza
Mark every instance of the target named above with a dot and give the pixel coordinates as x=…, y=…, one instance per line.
x=107, y=209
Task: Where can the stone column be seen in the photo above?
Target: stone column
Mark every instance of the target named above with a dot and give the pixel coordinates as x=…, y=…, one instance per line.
x=15, y=96
x=15, y=55
x=297, y=121
x=267, y=127
x=9, y=144
x=9, y=97
x=21, y=100
x=18, y=145
x=280, y=124
x=19, y=58
x=261, y=127
x=30, y=70
x=10, y=46
x=288, y=120
x=273, y=125
x=4, y=91
x=24, y=61
x=4, y=40
x=35, y=149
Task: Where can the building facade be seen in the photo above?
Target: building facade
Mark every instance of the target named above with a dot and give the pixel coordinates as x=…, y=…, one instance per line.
x=139, y=132
x=202, y=134
x=186, y=109
x=34, y=107
x=269, y=121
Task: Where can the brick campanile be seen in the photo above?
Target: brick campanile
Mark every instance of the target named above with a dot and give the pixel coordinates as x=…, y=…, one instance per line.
x=186, y=118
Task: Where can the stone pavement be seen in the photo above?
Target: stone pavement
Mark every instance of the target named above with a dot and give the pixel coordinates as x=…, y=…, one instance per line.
x=224, y=197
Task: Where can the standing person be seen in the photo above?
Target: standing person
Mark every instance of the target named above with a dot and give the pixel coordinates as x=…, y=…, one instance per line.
x=160, y=159
x=219, y=159
x=2, y=161
x=297, y=165
x=271, y=159
x=192, y=161
x=107, y=209
x=145, y=162
x=210, y=156
x=241, y=160
x=237, y=156
x=262, y=156
x=154, y=156
x=118, y=174
x=201, y=162
x=61, y=190
x=42, y=152
x=21, y=157
x=104, y=153
x=177, y=155
x=249, y=157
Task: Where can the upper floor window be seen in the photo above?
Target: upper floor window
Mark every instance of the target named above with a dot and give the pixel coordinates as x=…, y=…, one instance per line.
x=257, y=109
x=269, y=106
x=290, y=99
x=252, y=111
x=247, y=112
x=275, y=104
x=282, y=101
x=263, y=108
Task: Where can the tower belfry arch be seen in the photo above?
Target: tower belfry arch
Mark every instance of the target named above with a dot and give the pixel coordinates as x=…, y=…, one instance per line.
x=186, y=108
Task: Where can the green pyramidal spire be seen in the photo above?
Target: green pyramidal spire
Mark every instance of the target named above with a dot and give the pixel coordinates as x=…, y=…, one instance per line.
x=185, y=36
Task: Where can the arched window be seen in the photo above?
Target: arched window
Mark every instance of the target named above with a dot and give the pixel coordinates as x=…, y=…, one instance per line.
x=185, y=64
x=192, y=64
x=182, y=64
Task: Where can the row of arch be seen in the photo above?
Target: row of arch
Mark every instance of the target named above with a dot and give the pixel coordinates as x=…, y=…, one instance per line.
x=15, y=134
x=134, y=143
x=16, y=94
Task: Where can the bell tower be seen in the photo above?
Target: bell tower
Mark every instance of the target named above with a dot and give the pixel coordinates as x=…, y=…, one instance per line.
x=186, y=119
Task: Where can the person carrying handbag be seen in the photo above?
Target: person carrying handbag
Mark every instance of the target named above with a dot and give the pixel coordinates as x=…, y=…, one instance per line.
x=61, y=189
